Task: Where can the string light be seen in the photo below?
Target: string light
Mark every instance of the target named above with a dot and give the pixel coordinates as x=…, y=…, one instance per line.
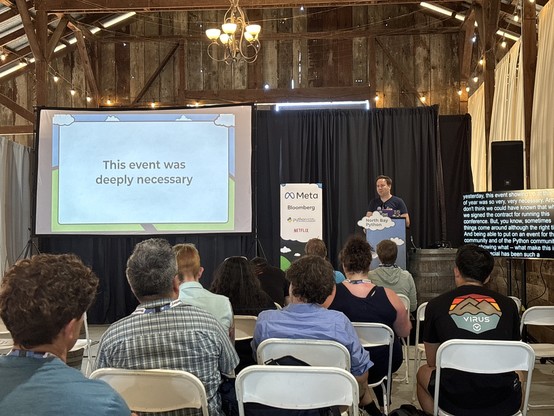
x=72, y=91
x=109, y=101
x=89, y=98
x=459, y=92
x=475, y=79
x=56, y=78
x=468, y=89
x=376, y=97
x=423, y=99
x=503, y=44
x=153, y=104
x=481, y=61
x=3, y=56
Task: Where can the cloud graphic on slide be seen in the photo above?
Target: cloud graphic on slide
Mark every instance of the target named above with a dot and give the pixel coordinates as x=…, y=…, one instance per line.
x=111, y=118
x=297, y=254
x=226, y=120
x=397, y=240
x=285, y=249
x=184, y=118
x=63, y=119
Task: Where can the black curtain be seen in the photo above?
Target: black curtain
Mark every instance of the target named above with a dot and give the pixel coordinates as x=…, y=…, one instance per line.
x=343, y=149
x=455, y=138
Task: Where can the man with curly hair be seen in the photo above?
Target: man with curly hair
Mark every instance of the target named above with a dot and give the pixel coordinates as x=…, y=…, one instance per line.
x=311, y=285
x=42, y=302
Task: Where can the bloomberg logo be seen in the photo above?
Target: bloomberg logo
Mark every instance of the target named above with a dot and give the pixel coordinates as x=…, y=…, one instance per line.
x=301, y=195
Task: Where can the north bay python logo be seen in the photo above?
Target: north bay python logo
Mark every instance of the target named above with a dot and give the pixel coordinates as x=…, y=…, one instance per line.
x=475, y=313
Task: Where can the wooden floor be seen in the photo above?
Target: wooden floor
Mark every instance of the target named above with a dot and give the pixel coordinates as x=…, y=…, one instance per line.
x=542, y=389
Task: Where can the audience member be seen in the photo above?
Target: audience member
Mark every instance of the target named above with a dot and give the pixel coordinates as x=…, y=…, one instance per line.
x=388, y=274
x=235, y=279
x=362, y=301
x=470, y=311
x=163, y=332
x=42, y=302
x=311, y=282
x=193, y=293
x=272, y=279
x=317, y=247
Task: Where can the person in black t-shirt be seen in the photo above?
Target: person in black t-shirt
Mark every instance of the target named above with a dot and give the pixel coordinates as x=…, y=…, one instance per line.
x=471, y=311
x=272, y=279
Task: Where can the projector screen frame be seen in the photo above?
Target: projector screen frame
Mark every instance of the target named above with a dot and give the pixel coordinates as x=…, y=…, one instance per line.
x=241, y=159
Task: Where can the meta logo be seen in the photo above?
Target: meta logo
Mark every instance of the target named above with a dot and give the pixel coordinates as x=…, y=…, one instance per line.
x=301, y=195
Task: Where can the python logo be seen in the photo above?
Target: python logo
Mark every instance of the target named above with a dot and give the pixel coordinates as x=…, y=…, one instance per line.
x=475, y=313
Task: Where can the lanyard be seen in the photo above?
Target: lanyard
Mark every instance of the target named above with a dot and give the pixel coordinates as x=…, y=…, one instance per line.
x=31, y=354
x=156, y=309
x=357, y=282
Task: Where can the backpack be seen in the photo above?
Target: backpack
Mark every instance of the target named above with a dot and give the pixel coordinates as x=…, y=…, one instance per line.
x=407, y=410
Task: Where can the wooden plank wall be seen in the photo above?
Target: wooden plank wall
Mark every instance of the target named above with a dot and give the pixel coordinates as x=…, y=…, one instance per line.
x=397, y=67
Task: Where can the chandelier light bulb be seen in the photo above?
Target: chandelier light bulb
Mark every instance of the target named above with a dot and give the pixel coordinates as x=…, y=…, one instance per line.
x=213, y=34
x=248, y=36
x=229, y=28
x=254, y=29
x=224, y=38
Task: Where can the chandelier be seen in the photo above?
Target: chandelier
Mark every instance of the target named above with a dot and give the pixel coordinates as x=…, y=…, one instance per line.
x=237, y=40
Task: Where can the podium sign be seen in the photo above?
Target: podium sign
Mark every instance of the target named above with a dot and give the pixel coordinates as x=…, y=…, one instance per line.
x=380, y=227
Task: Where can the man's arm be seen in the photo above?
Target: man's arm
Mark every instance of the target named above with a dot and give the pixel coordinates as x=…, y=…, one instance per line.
x=407, y=217
x=431, y=353
x=365, y=393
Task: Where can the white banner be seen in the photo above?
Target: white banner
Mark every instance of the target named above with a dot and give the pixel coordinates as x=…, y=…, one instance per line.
x=301, y=218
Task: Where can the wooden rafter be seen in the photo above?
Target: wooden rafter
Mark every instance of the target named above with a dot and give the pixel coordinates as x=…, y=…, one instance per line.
x=89, y=73
x=11, y=130
x=56, y=36
x=16, y=108
x=466, y=45
x=96, y=6
x=29, y=29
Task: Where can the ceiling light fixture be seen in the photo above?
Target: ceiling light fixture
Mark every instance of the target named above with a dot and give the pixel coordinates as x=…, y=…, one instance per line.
x=237, y=40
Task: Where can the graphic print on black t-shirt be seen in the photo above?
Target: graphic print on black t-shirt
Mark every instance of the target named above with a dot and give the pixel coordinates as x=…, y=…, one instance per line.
x=475, y=313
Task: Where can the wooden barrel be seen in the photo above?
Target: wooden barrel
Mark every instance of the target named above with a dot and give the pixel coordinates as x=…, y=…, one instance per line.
x=433, y=272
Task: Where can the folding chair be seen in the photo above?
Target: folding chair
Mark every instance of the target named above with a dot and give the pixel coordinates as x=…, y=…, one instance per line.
x=156, y=390
x=86, y=345
x=484, y=357
x=244, y=327
x=297, y=387
x=517, y=302
x=315, y=352
x=539, y=316
x=373, y=334
x=419, y=349
x=406, y=341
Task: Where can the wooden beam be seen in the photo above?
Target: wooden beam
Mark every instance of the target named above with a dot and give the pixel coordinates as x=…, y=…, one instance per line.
x=152, y=78
x=97, y=6
x=281, y=36
x=487, y=17
x=89, y=73
x=7, y=15
x=41, y=64
x=29, y=29
x=16, y=108
x=529, y=52
x=56, y=36
x=10, y=130
x=466, y=45
x=271, y=96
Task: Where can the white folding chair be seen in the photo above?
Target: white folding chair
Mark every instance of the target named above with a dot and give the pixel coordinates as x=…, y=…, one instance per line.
x=315, y=352
x=6, y=342
x=484, y=357
x=277, y=306
x=244, y=327
x=86, y=345
x=297, y=387
x=406, y=341
x=517, y=302
x=373, y=334
x=419, y=349
x=539, y=316
x=156, y=390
